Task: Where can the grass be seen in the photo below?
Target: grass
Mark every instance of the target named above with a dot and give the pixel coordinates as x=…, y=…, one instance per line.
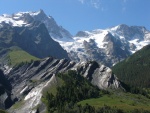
x=18, y=104
x=52, y=88
x=124, y=101
x=2, y=111
x=19, y=56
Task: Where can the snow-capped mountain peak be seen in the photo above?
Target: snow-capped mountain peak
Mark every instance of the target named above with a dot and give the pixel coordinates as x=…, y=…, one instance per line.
x=14, y=21
x=27, y=18
x=107, y=46
x=40, y=12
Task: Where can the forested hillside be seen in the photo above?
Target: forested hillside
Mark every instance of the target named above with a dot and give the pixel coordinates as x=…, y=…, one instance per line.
x=73, y=89
x=135, y=70
x=74, y=94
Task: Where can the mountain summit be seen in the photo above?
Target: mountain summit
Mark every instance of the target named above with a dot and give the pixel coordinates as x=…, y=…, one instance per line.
x=107, y=46
x=23, y=31
x=26, y=18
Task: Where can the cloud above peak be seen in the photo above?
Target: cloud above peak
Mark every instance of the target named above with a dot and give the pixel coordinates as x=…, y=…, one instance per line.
x=124, y=1
x=94, y=3
x=82, y=1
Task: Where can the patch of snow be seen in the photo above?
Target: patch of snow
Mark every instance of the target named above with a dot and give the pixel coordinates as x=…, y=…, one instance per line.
x=114, y=28
x=7, y=69
x=11, y=21
x=138, y=44
x=6, y=16
x=147, y=36
x=99, y=38
x=121, y=37
x=77, y=42
x=20, y=22
x=21, y=13
x=35, y=13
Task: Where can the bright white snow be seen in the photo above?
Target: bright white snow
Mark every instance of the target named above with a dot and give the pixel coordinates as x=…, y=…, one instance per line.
x=76, y=44
x=139, y=44
x=11, y=21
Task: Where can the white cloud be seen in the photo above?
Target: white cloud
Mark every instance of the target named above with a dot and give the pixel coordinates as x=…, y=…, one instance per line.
x=82, y=1
x=124, y=1
x=123, y=9
x=94, y=3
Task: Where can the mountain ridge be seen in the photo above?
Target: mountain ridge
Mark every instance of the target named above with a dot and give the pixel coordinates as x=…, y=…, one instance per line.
x=110, y=46
x=126, y=39
x=34, y=39
x=26, y=18
x=32, y=32
x=29, y=80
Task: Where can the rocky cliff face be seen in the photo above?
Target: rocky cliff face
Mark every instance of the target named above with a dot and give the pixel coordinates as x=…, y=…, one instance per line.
x=56, y=32
x=29, y=80
x=5, y=92
x=27, y=18
x=34, y=39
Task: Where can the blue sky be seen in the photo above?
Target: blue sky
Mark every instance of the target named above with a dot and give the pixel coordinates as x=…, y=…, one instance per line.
x=76, y=15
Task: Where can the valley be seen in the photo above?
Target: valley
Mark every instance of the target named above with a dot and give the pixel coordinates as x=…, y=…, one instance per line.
x=45, y=69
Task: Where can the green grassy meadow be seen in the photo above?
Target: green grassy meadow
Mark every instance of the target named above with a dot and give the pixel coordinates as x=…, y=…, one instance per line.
x=124, y=101
x=19, y=56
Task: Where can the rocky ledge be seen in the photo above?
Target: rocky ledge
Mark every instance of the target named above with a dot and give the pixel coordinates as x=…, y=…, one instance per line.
x=28, y=80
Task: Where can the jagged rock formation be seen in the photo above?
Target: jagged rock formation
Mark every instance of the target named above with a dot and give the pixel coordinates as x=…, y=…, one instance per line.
x=27, y=18
x=29, y=80
x=5, y=92
x=55, y=31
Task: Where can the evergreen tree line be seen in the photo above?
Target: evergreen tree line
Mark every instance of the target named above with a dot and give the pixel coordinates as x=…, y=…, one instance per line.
x=74, y=89
x=135, y=70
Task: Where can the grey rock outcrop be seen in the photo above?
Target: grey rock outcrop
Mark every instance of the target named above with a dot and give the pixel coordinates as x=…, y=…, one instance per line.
x=104, y=78
x=5, y=92
x=54, y=30
x=29, y=80
x=27, y=18
x=34, y=39
x=131, y=32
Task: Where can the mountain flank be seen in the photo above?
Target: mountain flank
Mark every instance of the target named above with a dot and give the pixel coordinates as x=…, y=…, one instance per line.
x=135, y=70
